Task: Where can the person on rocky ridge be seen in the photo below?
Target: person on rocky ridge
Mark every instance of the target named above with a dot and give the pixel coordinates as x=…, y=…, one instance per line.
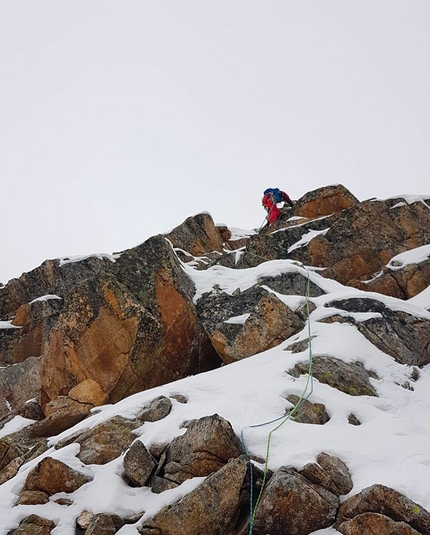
x=271, y=198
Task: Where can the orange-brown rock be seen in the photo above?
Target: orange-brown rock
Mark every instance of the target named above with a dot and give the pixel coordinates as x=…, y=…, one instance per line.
x=33, y=322
x=413, y=278
x=214, y=506
x=106, y=441
x=34, y=524
x=370, y=234
x=33, y=497
x=289, y=499
x=386, y=501
x=375, y=524
x=88, y=391
x=52, y=476
x=127, y=330
x=108, y=329
x=22, y=316
x=61, y=414
x=16, y=449
x=198, y=235
x=228, y=241
x=11, y=469
x=264, y=323
x=207, y=445
x=351, y=241
x=384, y=283
x=324, y=201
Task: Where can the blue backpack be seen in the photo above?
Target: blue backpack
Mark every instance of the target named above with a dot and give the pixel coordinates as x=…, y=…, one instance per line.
x=277, y=194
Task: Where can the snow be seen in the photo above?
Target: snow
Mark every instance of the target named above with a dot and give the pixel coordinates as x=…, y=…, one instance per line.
x=100, y=256
x=15, y=425
x=238, y=233
x=409, y=199
x=422, y=299
x=413, y=256
x=8, y=325
x=390, y=447
x=238, y=320
x=45, y=298
x=306, y=238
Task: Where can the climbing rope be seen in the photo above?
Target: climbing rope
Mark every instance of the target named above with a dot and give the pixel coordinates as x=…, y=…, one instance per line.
x=283, y=419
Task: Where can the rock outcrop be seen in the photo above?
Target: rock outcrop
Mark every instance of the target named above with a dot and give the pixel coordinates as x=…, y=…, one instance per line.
x=109, y=326
x=371, y=233
x=289, y=499
x=51, y=476
x=399, y=334
x=242, y=325
x=353, y=378
x=214, y=505
x=383, y=501
x=300, y=501
x=206, y=446
x=34, y=524
x=325, y=201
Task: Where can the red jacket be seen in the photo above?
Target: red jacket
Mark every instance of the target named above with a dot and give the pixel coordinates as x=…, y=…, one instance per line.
x=272, y=210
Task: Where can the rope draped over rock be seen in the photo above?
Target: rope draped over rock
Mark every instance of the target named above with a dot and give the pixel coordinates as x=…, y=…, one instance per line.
x=281, y=419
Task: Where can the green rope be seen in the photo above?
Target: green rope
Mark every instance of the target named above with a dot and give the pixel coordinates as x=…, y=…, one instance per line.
x=301, y=400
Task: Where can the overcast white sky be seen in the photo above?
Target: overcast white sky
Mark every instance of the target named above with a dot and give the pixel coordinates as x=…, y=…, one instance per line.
x=119, y=119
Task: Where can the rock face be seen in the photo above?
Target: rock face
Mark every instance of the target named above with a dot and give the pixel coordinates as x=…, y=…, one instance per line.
x=214, y=506
x=52, y=476
x=243, y=325
x=197, y=236
x=104, y=327
x=33, y=322
x=323, y=202
x=371, y=233
x=329, y=472
x=19, y=383
x=353, y=379
x=401, y=335
x=34, y=524
x=386, y=501
x=206, y=446
x=132, y=329
x=301, y=506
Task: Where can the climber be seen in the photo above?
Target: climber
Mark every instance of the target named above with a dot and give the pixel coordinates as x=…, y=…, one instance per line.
x=271, y=198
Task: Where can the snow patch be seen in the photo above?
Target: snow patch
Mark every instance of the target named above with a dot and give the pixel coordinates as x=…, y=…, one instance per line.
x=45, y=298
x=238, y=320
x=306, y=238
x=101, y=256
x=8, y=325
x=16, y=424
x=413, y=256
x=238, y=233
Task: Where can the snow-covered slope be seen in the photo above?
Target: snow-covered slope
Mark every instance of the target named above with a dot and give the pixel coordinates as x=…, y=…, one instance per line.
x=391, y=446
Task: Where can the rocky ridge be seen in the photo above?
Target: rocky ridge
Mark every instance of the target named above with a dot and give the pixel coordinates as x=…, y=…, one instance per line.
x=76, y=335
